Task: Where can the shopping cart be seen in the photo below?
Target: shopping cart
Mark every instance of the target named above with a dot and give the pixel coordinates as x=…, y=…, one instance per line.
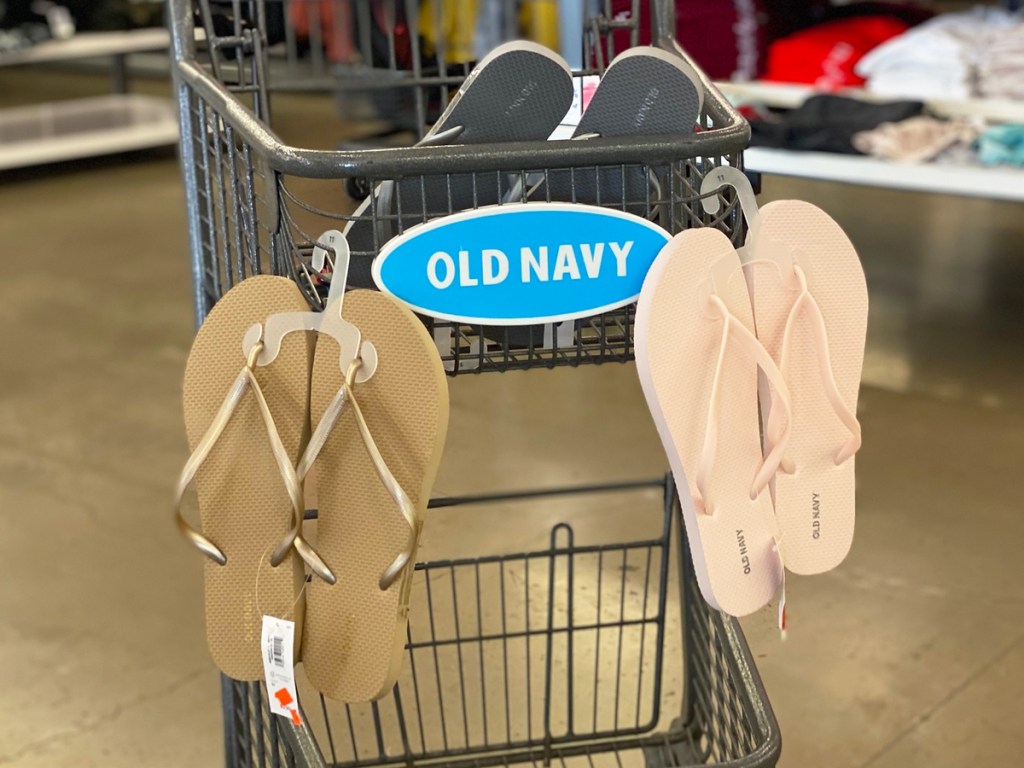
x=576, y=650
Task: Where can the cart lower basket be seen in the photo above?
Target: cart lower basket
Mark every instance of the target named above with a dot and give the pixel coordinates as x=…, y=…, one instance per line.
x=579, y=652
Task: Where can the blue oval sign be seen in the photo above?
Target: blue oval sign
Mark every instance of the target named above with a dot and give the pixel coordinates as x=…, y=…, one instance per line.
x=520, y=264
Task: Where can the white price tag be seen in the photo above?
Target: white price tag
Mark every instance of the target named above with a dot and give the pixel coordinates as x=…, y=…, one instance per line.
x=278, y=643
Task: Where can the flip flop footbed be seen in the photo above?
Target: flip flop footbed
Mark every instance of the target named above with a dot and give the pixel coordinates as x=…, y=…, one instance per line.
x=355, y=632
x=678, y=343
x=815, y=506
x=243, y=503
x=518, y=92
x=644, y=92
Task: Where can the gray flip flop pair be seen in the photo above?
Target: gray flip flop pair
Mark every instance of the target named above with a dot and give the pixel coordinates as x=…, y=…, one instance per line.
x=521, y=91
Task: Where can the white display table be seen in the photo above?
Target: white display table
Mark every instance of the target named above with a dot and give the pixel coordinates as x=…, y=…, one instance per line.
x=67, y=130
x=966, y=180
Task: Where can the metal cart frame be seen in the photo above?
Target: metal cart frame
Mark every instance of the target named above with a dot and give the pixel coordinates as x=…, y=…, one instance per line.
x=571, y=651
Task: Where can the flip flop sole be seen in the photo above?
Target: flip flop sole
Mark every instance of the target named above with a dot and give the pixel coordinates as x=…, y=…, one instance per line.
x=243, y=503
x=677, y=349
x=355, y=632
x=815, y=506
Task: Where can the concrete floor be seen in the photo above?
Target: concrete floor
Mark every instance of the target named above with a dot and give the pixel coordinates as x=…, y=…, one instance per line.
x=910, y=654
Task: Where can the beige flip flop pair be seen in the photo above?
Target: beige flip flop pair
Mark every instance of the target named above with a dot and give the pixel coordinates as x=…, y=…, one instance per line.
x=375, y=451
x=758, y=500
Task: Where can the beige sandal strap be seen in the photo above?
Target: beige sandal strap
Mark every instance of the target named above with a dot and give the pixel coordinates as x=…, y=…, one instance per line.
x=734, y=331
x=316, y=443
x=246, y=381
x=805, y=303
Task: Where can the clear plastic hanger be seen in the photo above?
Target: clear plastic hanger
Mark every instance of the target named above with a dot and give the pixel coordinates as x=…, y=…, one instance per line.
x=727, y=176
x=326, y=323
x=756, y=249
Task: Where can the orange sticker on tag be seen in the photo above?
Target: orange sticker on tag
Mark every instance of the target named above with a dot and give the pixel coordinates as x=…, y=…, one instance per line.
x=285, y=699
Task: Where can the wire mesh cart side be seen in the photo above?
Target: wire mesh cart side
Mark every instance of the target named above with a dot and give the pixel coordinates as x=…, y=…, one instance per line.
x=577, y=649
x=585, y=676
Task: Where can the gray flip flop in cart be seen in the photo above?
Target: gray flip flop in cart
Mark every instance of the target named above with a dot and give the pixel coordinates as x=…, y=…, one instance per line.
x=527, y=642
x=520, y=91
x=646, y=91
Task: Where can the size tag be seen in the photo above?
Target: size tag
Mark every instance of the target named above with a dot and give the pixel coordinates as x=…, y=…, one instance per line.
x=278, y=643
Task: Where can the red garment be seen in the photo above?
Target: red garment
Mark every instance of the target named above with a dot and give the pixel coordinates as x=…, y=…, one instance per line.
x=725, y=38
x=825, y=55
x=333, y=22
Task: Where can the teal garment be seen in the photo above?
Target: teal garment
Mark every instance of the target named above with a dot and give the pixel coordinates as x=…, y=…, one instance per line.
x=1002, y=145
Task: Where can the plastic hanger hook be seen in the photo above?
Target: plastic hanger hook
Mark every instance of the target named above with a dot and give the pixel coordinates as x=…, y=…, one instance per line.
x=727, y=176
x=756, y=248
x=327, y=323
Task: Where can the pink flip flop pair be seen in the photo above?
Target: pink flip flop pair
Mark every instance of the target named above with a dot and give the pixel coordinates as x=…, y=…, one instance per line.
x=761, y=493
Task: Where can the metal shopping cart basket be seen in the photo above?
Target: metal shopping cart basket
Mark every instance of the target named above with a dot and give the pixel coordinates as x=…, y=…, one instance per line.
x=574, y=650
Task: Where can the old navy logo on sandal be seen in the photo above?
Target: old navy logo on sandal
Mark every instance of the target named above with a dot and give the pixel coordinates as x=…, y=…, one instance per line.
x=520, y=264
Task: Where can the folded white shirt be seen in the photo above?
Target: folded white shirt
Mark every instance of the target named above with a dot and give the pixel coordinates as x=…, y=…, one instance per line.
x=953, y=56
x=919, y=47
x=1001, y=72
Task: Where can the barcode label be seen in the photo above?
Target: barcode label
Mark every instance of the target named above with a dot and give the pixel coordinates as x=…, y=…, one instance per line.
x=278, y=670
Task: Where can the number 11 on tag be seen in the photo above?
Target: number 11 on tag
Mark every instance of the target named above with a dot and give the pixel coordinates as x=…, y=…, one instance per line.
x=278, y=644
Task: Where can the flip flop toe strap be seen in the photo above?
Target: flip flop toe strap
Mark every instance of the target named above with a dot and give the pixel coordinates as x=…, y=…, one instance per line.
x=735, y=334
x=346, y=394
x=805, y=304
x=245, y=382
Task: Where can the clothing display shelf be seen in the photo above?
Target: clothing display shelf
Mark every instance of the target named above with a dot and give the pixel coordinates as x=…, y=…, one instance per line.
x=78, y=128
x=996, y=183
x=610, y=655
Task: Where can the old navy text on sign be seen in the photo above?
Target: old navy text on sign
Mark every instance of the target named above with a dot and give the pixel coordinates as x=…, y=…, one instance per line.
x=520, y=264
